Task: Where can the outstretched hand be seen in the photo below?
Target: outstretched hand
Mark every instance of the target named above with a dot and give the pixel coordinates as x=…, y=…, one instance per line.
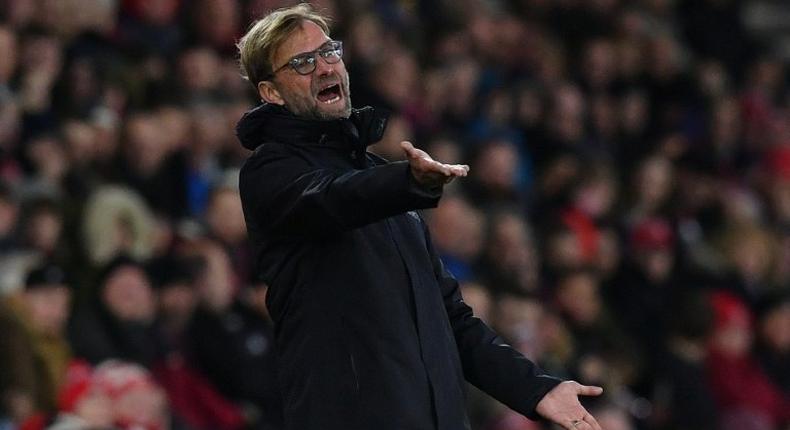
x=429, y=172
x=561, y=406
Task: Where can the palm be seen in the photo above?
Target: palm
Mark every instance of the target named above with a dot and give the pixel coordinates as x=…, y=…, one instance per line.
x=561, y=406
x=429, y=172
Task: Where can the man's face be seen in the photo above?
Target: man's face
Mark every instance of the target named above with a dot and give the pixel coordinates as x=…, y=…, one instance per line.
x=323, y=94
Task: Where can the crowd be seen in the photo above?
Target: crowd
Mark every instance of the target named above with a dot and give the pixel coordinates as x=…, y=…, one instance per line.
x=626, y=221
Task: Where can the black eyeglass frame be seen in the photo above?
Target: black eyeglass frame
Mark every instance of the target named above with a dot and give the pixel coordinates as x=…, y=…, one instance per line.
x=324, y=51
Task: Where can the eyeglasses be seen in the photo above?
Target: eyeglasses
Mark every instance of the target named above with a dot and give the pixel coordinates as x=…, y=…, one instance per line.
x=305, y=63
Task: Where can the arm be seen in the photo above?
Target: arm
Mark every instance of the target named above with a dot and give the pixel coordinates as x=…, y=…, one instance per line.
x=488, y=362
x=504, y=373
x=283, y=192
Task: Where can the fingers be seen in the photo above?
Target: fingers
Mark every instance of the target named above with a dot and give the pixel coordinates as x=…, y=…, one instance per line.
x=459, y=169
x=438, y=167
x=577, y=425
x=451, y=170
x=409, y=149
x=430, y=164
x=589, y=390
x=588, y=422
x=592, y=422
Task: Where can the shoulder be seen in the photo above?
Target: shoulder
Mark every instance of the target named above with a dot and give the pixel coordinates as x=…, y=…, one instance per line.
x=267, y=151
x=268, y=154
x=377, y=159
x=269, y=168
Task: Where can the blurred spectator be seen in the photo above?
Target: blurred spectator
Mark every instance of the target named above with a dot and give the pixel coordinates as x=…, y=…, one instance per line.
x=748, y=249
x=9, y=216
x=199, y=73
x=158, y=171
x=150, y=27
x=172, y=280
x=595, y=196
x=43, y=230
x=685, y=400
x=652, y=189
x=82, y=403
x=193, y=399
x=511, y=259
x=116, y=321
x=34, y=352
x=41, y=61
x=8, y=42
x=136, y=400
x=494, y=175
x=10, y=129
x=732, y=368
x=50, y=165
x=231, y=342
x=604, y=353
x=773, y=338
x=116, y=221
x=216, y=23
x=460, y=254
x=646, y=287
x=225, y=222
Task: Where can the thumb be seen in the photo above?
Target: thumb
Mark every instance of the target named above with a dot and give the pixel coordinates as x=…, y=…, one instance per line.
x=408, y=148
x=589, y=390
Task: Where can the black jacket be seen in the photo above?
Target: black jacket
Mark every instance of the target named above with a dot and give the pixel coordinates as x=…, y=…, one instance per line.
x=370, y=330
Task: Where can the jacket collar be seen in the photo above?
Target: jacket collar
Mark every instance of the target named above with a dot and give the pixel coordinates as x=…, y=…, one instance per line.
x=273, y=123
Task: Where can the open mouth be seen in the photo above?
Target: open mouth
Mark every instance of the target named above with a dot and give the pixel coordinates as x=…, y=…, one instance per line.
x=330, y=94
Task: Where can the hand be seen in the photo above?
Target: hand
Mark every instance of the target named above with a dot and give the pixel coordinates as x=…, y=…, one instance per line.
x=561, y=406
x=429, y=172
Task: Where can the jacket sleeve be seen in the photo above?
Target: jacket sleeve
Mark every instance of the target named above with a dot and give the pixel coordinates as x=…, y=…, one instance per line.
x=283, y=193
x=488, y=362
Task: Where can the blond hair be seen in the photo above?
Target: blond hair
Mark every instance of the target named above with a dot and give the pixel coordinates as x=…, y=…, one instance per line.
x=266, y=35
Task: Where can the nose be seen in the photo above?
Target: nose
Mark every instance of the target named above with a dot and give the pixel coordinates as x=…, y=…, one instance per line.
x=322, y=68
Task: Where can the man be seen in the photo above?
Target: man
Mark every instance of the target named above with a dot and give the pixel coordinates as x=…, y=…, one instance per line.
x=371, y=332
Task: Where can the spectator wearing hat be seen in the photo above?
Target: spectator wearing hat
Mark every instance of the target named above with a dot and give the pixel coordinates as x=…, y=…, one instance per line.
x=34, y=353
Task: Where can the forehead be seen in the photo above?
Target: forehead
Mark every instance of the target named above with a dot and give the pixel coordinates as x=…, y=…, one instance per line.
x=307, y=37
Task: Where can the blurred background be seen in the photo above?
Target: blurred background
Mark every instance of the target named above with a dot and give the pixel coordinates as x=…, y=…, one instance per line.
x=626, y=221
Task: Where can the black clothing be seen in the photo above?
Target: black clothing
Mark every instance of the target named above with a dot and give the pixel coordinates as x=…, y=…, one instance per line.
x=688, y=401
x=96, y=333
x=371, y=332
x=234, y=349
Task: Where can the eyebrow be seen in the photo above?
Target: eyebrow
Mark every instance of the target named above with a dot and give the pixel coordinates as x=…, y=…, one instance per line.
x=310, y=52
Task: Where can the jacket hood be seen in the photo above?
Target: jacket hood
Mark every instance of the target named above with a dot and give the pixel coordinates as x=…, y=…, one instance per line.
x=273, y=123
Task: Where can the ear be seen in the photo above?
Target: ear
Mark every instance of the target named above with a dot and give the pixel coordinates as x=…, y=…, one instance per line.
x=269, y=93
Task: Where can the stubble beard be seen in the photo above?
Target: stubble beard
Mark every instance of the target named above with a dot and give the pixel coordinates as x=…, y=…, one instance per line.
x=310, y=108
